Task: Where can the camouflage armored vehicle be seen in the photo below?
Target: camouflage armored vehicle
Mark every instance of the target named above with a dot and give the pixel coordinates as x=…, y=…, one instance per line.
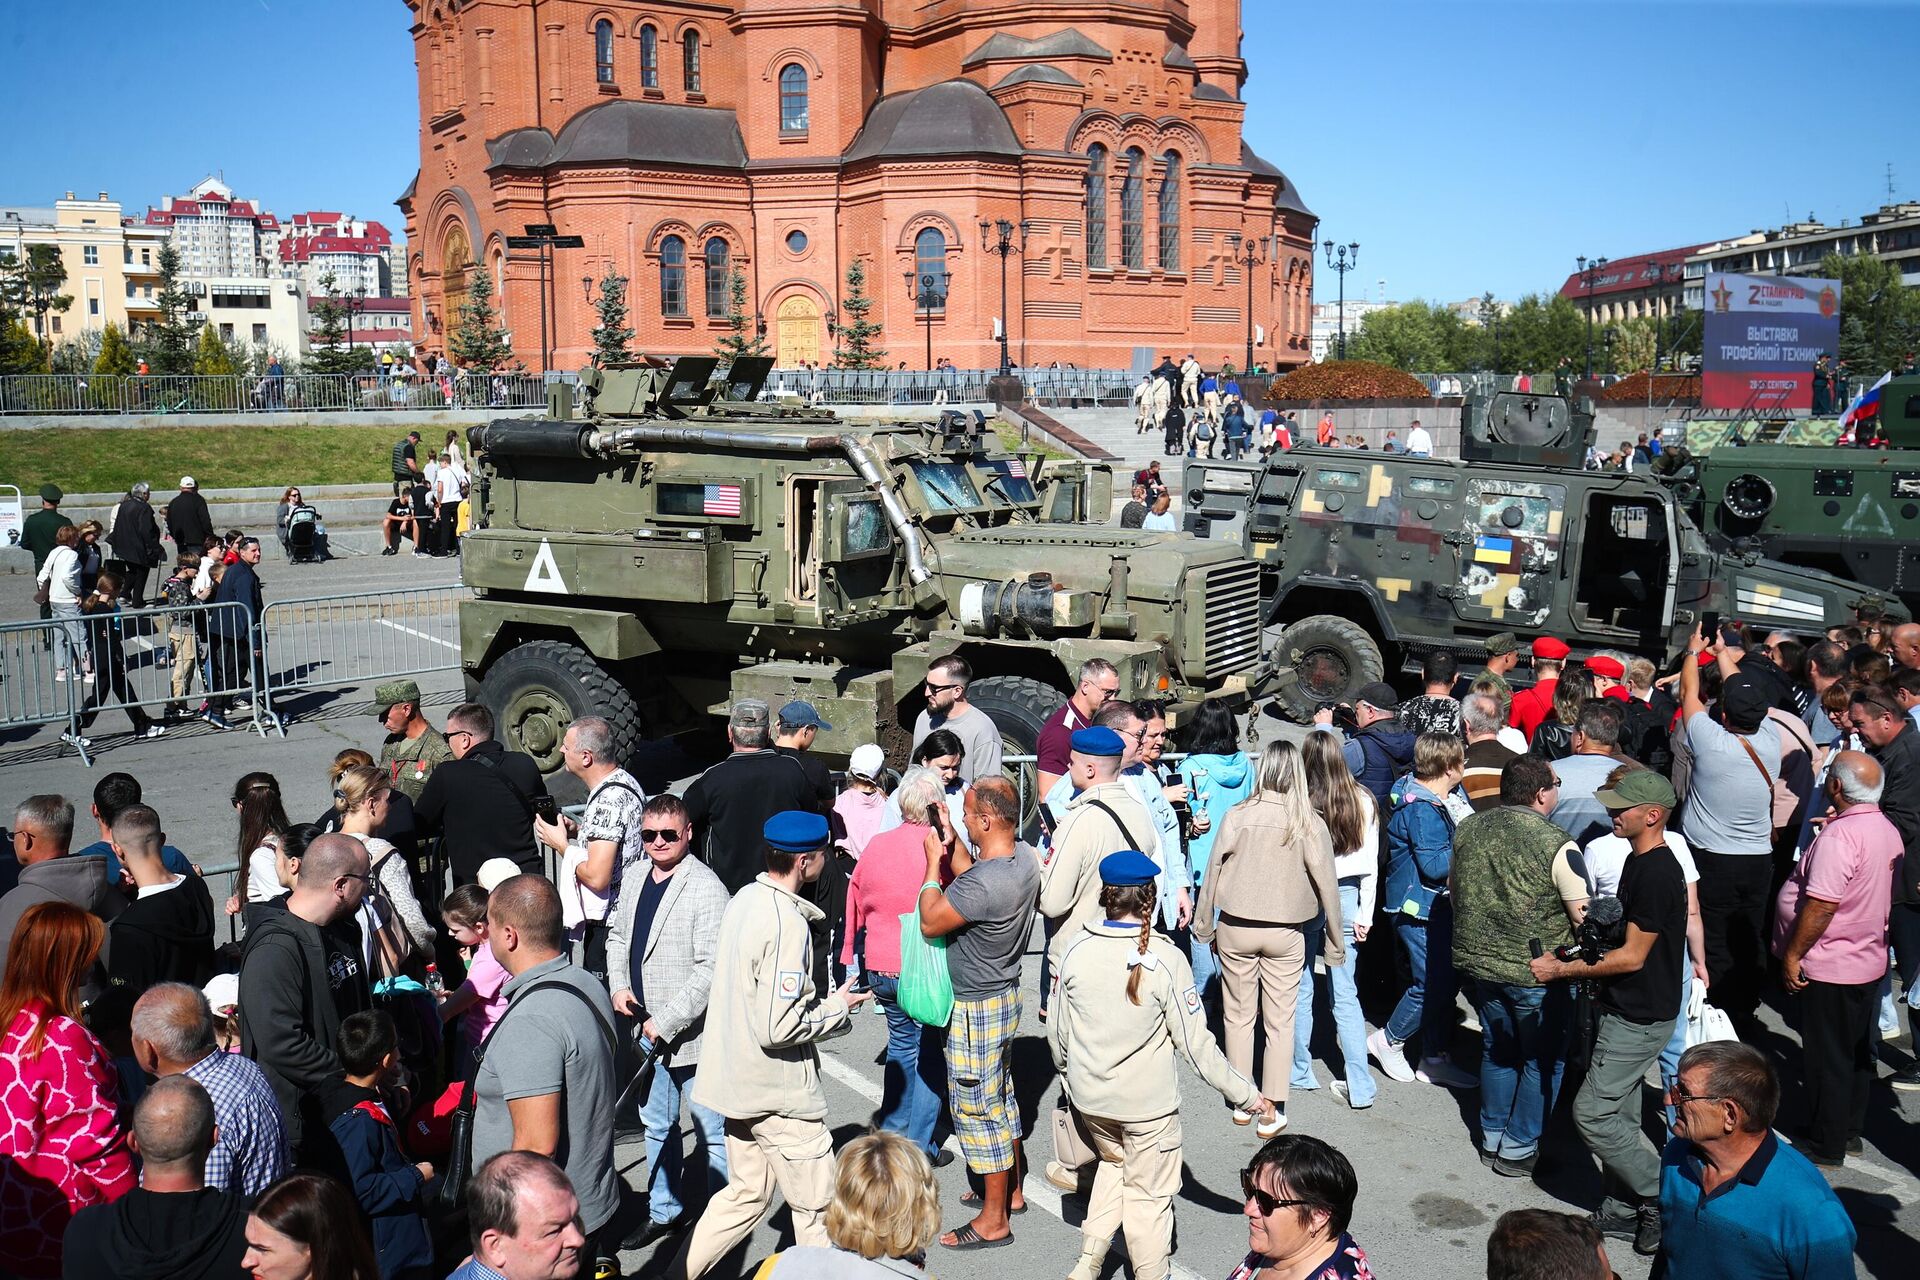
x=1371, y=559
x=682, y=546
x=1854, y=512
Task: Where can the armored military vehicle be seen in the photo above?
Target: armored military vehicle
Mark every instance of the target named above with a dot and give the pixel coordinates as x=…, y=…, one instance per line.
x=682, y=546
x=1854, y=512
x=1370, y=559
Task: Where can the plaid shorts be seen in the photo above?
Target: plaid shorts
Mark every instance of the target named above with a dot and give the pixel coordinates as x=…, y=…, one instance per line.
x=986, y=1118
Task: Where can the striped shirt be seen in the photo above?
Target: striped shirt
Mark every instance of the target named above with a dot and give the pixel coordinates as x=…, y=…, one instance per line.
x=252, y=1151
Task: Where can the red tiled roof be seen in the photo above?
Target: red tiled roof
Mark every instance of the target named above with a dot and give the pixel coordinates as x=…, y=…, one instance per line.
x=1622, y=275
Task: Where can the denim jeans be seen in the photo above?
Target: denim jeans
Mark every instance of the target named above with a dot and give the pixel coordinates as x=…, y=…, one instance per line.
x=661, y=1117
x=1670, y=1056
x=916, y=1083
x=1524, y=1031
x=1426, y=1006
x=1349, y=1022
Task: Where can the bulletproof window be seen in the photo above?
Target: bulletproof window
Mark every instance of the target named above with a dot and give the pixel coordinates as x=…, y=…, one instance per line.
x=1431, y=486
x=1097, y=206
x=1133, y=243
x=1339, y=479
x=1012, y=484
x=673, y=276
x=649, y=57
x=793, y=98
x=717, y=277
x=946, y=484
x=690, y=60
x=1170, y=213
x=867, y=530
x=603, y=51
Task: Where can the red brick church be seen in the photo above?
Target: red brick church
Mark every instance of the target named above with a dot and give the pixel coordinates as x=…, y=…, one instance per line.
x=783, y=139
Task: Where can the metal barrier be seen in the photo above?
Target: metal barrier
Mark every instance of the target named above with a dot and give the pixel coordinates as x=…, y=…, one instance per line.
x=84, y=393
x=1070, y=387
x=1028, y=773
x=326, y=641
x=30, y=693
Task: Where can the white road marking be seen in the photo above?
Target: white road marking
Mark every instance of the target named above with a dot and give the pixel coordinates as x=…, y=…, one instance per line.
x=445, y=644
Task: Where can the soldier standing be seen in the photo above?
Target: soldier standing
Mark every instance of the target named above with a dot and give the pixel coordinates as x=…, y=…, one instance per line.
x=413, y=748
x=1503, y=655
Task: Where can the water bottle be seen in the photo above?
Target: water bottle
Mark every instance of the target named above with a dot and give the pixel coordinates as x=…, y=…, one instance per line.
x=434, y=983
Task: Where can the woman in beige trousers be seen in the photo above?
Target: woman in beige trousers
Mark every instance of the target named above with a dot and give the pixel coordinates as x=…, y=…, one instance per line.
x=1271, y=876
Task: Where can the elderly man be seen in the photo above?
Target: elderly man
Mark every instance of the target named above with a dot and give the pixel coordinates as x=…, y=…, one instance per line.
x=595, y=851
x=134, y=542
x=1734, y=1203
x=1894, y=742
x=1830, y=932
x=523, y=1221
x=1096, y=684
x=547, y=1084
x=482, y=800
x=1487, y=756
x=301, y=976
x=413, y=749
x=660, y=961
x=173, y=1226
x=730, y=803
x=189, y=523
x=42, y=833
x=760, y=1067
x=1378, y=751
x=173, y=1035
x=945, y=690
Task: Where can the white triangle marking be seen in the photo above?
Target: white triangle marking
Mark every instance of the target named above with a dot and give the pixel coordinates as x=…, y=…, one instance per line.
x=545, y=574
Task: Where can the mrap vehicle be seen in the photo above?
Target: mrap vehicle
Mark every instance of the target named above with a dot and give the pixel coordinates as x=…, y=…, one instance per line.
x=1370, y=559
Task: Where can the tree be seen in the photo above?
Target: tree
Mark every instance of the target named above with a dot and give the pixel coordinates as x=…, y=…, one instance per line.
x=1636, y=341
x=332, y=352
x=611, y=335
x=20, y=351
x=740, y=339
x=477, y=342
x=1538, y=332
x=32, y=286
x=115, y=357
x=170, y=339
x=1879, y=315
x=210, y=359
x=857, y=334
x=1414, y=336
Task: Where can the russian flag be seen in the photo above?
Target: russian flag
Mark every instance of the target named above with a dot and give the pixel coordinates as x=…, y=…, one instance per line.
x=1865, y=405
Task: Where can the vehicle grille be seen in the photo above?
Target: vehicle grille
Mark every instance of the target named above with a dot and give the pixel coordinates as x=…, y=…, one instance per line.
x=1231, y=608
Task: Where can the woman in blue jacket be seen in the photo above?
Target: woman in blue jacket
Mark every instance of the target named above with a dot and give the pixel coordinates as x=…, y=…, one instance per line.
x=1419, y=860
x=1219, y=776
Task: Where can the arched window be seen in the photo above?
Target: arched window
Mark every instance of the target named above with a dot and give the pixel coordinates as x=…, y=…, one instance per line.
x=690, y=60
x=793, y=98
x=649, y=57
x=1097, y=206
x=930, y=259
x=1133, y=213
x=1170, y=213
x=719, y=279
x=603, y=51
x=673, y=276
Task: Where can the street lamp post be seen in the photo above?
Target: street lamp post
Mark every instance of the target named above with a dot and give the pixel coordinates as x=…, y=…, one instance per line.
x=1342, y=258
x=1247, y=252
x=928, y=291
x=997, y=237
x=1589, y=270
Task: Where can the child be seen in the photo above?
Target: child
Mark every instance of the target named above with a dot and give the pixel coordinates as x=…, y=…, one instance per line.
x=384, y=1182
x=862, y=807
x=465, y=913
x=223, y=997
x=177, y=592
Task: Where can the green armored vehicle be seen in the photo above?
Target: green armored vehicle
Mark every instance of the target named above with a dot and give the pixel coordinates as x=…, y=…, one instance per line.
x=1854, y=512
x=1370, y=559
x=683, y=546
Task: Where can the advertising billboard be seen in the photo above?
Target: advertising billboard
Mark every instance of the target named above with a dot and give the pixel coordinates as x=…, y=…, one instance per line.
x=1760, y=339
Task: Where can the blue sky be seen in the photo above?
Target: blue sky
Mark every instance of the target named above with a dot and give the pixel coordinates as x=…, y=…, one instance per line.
x=1465, y=145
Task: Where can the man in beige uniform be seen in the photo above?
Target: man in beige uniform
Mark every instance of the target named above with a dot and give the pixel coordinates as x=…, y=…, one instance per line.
x=1104, y=817
x=759, y=1067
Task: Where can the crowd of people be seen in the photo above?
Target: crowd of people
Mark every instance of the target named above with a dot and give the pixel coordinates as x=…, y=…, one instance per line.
x=1205, y=415
x=450, y=1000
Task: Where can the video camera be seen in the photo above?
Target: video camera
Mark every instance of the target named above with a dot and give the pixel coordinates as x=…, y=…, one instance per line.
x=1342, y=715
x=1601, y=931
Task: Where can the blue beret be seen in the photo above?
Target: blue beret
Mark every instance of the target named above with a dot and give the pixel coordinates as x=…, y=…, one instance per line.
x=797, y=831
x=1129, y=866
x=1098, y=741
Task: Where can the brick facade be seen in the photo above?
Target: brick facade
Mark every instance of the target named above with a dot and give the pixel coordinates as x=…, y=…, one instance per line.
x=884, y=130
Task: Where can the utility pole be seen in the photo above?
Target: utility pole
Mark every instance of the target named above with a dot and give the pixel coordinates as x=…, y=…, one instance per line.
x=543, y=238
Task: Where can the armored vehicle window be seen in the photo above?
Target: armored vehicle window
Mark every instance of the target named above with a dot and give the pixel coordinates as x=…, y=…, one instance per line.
x=1066, y=503
x=1014, y=485
x=947, y=485
x=1430, y=486
x=1340, y=479
x=867, y=532
x=1632, y=522
x=678, y=499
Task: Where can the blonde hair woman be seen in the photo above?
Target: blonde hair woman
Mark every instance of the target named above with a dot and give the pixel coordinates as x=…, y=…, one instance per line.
x=1272, y=876
x=360, y=794
x=884, y=1213
x=1353, y=823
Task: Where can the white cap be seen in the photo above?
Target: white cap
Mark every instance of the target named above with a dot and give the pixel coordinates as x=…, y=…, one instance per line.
x=867, y=762
x=186, y=482
x=495, y=872
x=222, y=991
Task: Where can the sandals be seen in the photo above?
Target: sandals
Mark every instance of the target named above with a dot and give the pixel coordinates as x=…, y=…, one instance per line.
x=971, y=1199
x=966, y=1239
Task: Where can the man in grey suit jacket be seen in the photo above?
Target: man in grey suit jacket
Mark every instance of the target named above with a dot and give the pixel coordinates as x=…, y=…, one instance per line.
x=660, y=957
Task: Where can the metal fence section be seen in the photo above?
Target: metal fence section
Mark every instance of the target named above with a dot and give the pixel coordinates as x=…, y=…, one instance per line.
x=31, y=690
x=1028, y=771
x=85, y=393
x=327, y=641
x=1055, y=387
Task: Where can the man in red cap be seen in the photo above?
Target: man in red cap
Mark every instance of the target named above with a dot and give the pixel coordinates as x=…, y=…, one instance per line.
x=1533, y=705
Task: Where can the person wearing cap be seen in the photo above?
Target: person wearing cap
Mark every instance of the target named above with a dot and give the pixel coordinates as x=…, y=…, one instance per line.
x=37, y=532
x=134, y=540
x=482, y=800
x=1503, y=655
x=794, y=731
x=1531, y=706
x=1638, y=1001
x=189, y=523
x=412, y=749
x=1126, y=1008
x=1595, y=742
x=1378, y=751
x=945, y=690
x=861, y=807
x=1104, y=817
x=232, y=631
x=730, y=803
x=1728, y=819
x=759, y=1066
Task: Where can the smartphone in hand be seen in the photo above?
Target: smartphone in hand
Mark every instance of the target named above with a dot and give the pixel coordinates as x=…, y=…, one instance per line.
x=546, y=808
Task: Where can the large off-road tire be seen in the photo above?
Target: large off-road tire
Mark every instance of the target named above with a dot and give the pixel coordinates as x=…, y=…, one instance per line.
x=1019, y=707
x=1333, y=658
x=539, y=688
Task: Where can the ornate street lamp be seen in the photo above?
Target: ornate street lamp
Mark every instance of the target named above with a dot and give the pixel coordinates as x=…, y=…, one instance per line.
x=1342, y=258
x=997, y=237
x=1589, y=272
x=929, y=293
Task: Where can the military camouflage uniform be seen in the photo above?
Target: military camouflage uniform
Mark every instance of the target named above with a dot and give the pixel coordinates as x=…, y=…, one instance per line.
x=409, y=762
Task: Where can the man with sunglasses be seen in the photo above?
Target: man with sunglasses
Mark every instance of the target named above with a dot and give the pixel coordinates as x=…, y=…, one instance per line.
x=660, y=961
x=945, y=690
x=1097, y=683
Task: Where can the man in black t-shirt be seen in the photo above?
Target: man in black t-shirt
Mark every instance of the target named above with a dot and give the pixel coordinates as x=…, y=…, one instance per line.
x=1639, y=1001
x=730, y=803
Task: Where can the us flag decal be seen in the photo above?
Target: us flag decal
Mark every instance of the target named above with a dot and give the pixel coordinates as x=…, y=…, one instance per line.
x=720, y=500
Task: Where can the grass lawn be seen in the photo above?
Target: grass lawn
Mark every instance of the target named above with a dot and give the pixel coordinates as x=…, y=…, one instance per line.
x=108, y=460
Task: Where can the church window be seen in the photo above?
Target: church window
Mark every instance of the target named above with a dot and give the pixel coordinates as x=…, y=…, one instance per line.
x=930, y=260
x=718, y=278
x=649, y=57
x=1097, y=206
x=603, y=51
x=1133, y=246
x=1170, y=213
x=673, y=276
x=690, y=60
x=793, y=98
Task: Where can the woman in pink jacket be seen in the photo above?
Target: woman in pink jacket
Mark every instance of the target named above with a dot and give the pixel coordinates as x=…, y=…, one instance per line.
x=61, y=1148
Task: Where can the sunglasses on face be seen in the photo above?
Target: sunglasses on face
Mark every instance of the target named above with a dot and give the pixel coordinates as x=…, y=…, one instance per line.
x=931, y=687
x=1267, y=1204
x=666, y=835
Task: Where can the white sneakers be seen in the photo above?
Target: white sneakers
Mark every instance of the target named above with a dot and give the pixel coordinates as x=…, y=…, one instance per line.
x=1441, y=1071
x=1438, y=1070
x=1242, y=1118
x=1271, y=1128
x=1391, y=1057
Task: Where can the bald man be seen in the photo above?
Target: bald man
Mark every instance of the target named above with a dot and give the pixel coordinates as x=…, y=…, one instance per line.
x=173, y=1226
x=173, y=1035
x=1906, y=644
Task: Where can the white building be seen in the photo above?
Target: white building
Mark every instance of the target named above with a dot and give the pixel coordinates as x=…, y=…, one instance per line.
x=1891, y=233
x=1327, y=324
x=217, y=235
x=356, y=251
x=254, y=311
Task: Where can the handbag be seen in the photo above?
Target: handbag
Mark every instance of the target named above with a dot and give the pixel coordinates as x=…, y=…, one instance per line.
x=1705, y=1022
x=1071, y=1145
x=925, y=988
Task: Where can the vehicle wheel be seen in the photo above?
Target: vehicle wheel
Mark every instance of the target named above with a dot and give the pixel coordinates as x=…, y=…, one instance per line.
x=539, y=688
x=1333, y=658
x=1019, y=707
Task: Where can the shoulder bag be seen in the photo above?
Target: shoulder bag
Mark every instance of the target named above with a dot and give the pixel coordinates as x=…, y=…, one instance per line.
x=1125, y=834
x=1784, y=801
x=452, y=1194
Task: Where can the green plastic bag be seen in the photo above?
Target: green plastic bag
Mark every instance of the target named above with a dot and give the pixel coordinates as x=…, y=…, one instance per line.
x=926, y=990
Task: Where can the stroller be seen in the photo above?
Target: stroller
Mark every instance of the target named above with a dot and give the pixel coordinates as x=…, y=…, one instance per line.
x=303, y=535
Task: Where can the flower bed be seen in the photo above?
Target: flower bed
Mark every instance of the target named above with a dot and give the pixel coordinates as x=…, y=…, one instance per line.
x=1348, y=380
